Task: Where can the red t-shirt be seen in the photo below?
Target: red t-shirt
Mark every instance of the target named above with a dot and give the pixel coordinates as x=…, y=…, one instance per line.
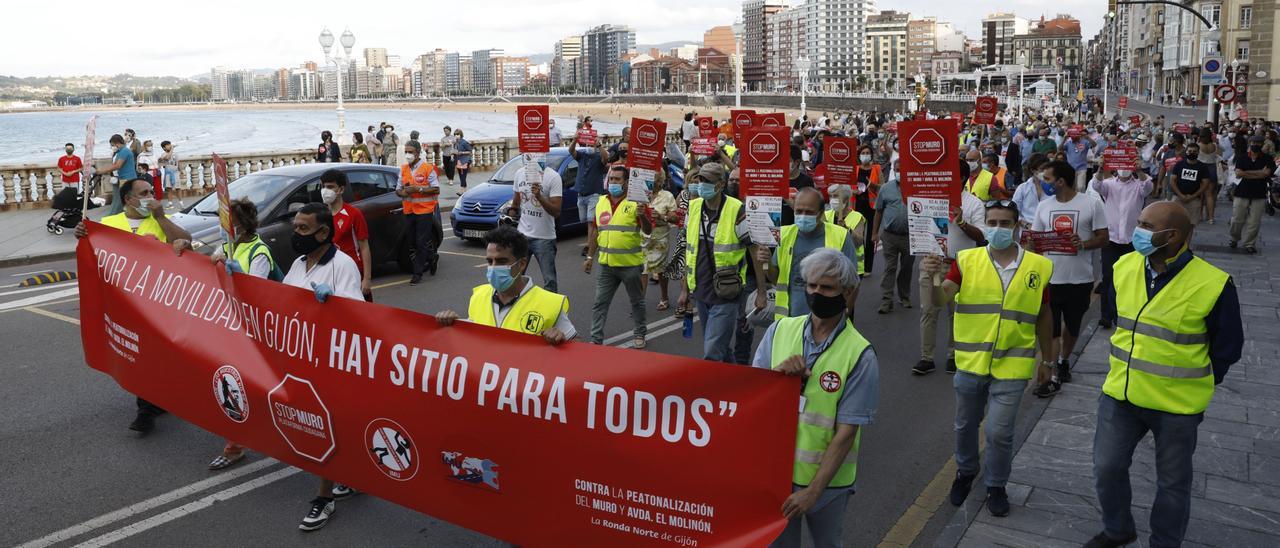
x=349, y=228
x=954, y=276
x=70, y=163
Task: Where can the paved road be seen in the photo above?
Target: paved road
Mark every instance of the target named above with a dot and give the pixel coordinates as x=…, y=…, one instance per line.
x=1171, y=114
x=68, y=458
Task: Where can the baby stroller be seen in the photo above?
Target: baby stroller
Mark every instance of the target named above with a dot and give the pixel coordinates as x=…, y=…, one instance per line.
x=67, y=203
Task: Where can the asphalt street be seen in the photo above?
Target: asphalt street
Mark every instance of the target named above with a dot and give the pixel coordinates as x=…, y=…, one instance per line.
x=75, y=475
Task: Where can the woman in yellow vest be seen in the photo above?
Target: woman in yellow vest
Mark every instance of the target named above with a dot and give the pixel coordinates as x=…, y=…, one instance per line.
x=1002, y=312
x=510, y=299
x=843, y=213
x=839, y=396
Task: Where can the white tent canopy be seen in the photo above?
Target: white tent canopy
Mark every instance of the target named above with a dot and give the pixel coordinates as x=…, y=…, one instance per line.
x=1042, y=87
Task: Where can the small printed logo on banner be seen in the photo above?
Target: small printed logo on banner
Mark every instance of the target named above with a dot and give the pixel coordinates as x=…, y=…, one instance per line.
x=829, y=381
x=839, y=151
x=771, y=122
x=647, y=136
x=301, y=418
x=392, y=450
x=916, y=208
x=533, y=119
x=927, y=146
x=743, y=119
x=228, y=389
x=1033, y=280
x=764, y=148
x=605, y=216
x=473, y=470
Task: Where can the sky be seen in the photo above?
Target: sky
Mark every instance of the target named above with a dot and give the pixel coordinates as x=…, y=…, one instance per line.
x=184, y=38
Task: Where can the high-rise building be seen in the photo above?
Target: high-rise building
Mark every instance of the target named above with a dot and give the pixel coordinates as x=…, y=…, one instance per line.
x=720, y=38
x=218, y=84
x=1254, y=47
x=887, y=43
x=434, y=77
x=567, y=49
x=509, y=73
x=375, y=57
x=1051, y=46
x=282, y=84
x=604, y=47
x=452, y=73
x=922, y=42
x=482, y=69
x=755, y=40
x=836, y=40
x=998, y=30
x=786, y=43
x=947, y=38
x=466, y=74
x=303, y=85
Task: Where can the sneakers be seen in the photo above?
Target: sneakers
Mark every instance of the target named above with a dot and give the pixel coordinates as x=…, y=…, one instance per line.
x=1047, y=389
x=1064, y=371
x=341, y=491
x=1232, y=244
x=144, y=423
x=922, y=367
x=321, y=509
x=1101, y=540
x=886, y=308
x=416, y=279
x=951, y=366
x=960, y=488
x=997, y=501
x=906, y=303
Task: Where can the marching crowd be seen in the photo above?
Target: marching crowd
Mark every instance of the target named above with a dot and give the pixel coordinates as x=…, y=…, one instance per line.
x=1015, y=311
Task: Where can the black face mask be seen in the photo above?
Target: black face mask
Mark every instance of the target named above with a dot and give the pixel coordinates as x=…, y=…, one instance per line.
x=823, y=306
x=304, y=244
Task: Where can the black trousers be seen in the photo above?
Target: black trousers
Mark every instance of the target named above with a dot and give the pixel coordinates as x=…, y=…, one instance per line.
x=426, y=234
x=1110, y=254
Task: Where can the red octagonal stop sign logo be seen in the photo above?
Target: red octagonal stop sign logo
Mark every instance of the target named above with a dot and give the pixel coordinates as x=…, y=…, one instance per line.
x=533, y=119
x=647, y=135
x=764, y=148
x=743, y=120
x=927, y=146
x=839, y=152
x=301, y=418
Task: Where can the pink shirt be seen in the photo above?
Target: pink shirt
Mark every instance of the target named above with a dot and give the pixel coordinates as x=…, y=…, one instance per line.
x=1123, y=202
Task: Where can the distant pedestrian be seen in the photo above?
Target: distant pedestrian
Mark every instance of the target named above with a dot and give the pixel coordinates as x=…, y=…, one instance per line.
x=554, y=137
x=889, y=230
x=537, y=205
x=131, y=141
x=419, y=190
x=590, y=179
x=124, y=168
x=169, y=169
x=1122, y=197
x=657, y=244
x=328, y=150
x=390, y=145
x=350, y=231
x=462, y=154
x=1190, y=180
x=616, y=233
x=688, y=130
x=447, y=153
x=70, y=165
x=373, y=141
x=1254, y=169
x=359, y=151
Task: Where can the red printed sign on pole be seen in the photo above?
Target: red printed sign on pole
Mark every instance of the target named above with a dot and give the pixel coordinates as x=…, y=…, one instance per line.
x=648, y=138
x=706, y=127
x=587, y=137
x=984, y=110
x=841, y=157
x=931, y=182
x=772, y=119
x=765, y=154
x=1135, y=120
x=1122, y=156
x=741, y=120
x=534, y=128
x=355, y=392
x=704, y=147
x=1124, y=101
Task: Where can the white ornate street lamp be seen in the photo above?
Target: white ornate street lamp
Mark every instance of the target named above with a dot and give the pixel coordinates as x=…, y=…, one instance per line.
x=340, y=61
x=803, y=64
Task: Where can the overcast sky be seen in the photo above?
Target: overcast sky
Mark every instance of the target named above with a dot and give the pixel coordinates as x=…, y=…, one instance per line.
x=182, y=37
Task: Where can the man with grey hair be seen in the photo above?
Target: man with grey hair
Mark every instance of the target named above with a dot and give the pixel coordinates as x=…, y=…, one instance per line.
x=840, y=391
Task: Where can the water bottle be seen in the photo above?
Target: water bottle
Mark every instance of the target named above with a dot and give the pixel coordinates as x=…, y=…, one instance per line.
x=688, y=327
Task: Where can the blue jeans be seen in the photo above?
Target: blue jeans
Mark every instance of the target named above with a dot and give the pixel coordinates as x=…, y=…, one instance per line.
x=1001, y=399
x=587, y=207
x=170, y=177
x=719, y=321
x=1121, y=425
x=826, y=522
x=545, y=252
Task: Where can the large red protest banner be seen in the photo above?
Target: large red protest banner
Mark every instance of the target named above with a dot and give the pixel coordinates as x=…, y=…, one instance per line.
x=765, y=154
x=492, y=430
x=841, y=157
x=984, y=109
x=533, y=132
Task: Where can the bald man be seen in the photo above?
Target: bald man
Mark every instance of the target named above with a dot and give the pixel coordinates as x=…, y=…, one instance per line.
x=1178, y=331
x=810, y=232
x=981, y=183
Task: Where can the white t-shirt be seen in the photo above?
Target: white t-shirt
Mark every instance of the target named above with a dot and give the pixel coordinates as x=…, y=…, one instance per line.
x=535, y=222
x=1083, y=215
x=974, y=213
x=339, y=272
x=689, y=130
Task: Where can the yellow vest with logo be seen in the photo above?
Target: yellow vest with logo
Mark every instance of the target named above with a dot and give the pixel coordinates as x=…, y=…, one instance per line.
x=247, y=251
x=834, y=237
x=726, y=249
x=619, y=240
x=1160, y=350
x=534, y=312
x=994, y=328
x=417, y=203
x=851, y=221
x=822, y=391
x=149, y=227
x=981, y=187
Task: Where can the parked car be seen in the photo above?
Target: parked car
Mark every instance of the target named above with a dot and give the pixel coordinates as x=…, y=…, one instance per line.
x=280, y=192
x=480, y=208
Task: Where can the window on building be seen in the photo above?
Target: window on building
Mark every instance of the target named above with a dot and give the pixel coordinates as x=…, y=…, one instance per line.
x=1246, y=16
x=1242, y=50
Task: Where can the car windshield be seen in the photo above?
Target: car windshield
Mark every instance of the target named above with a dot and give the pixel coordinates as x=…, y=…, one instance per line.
x=259, y=188
x=507, y=174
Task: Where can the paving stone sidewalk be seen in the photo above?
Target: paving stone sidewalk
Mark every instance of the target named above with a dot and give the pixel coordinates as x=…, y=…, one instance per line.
x=1236, y=485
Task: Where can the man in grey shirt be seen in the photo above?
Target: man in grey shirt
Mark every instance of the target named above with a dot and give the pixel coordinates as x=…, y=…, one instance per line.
x=811, y=234
x=889, y=229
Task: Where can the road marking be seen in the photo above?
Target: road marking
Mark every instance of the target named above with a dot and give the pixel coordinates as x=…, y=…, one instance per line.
x=652, y=326
x=476, y=255
x=189, y=508
x=657, y=333
x=71, y=300
x=53, y=315
x=914, y=519
x=27, y=273
x=45, y=287
x=389, y=284
x=30, y=301
x=148, y=505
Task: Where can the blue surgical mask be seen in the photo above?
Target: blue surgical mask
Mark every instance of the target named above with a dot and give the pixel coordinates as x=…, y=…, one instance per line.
x=807, y=223
x=500, y=277
x=1142, y=242
x=1048, y=188
x=707, y=191
x=615, y=190
x=998, y=237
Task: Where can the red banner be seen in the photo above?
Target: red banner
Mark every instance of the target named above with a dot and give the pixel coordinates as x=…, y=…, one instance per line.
x=984, y=109
x=1184, y=129
x=706, y=127
x=1122, y=156
x=1049, y=241
x=1075, y=130
x=703, y=146
x=1124, y=101
x=492, y=430
x=771, y=119
x=840, y=156
x=765, y=154
x=741, y=120
x=533, y=128
x=587, y=137
x=648, y=139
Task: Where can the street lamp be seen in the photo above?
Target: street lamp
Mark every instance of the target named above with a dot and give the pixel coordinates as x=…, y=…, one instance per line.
x=339, y=60
x=737, y=63
x=977, y=79
x=803, y=64
x=1022, y=70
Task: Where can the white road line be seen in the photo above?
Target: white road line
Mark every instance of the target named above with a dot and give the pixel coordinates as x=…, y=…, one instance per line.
x=27, y=273
x=29, y=301
x=44, y=287
x=148, y=505
x=189, y=508
x=654, y=325
x=657, y=333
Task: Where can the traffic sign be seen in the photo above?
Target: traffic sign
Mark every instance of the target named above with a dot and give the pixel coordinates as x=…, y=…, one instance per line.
x=1211, y=71
x=1225, y=93
x=1124, y=101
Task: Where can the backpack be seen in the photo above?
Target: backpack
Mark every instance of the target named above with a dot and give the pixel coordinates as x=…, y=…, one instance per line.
x=276, y=274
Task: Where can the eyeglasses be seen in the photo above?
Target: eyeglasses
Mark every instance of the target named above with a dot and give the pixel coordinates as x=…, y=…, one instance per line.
x=999, y=203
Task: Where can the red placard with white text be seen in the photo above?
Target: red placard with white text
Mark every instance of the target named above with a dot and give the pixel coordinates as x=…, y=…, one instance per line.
x=488, y=429
x=1122, y=156
x=741, y=120
x=644, y=159
x=769, y=119
x=1124, y=101
x=930, y=179
x=706, y=127
x=984, y=109
x=587, y=137
x=765, y=160
x=703, y=146
x=840, y=155
x=533, y=128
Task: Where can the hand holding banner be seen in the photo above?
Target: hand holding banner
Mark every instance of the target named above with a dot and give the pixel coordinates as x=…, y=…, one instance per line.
x=533, y=129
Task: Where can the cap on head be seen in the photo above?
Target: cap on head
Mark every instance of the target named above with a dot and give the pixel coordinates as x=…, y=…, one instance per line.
x=711, y=172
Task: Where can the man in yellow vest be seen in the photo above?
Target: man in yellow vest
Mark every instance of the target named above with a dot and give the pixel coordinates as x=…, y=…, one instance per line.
x=1002, y=311
x=797, y=241
x=616, y=233
x=1178, y=330
x=981, y=181
x=511, y=300
x=143, y=215
x=420, y=190
x=840, y=391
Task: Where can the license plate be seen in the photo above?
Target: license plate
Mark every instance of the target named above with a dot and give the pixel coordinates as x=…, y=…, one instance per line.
x=473, y=233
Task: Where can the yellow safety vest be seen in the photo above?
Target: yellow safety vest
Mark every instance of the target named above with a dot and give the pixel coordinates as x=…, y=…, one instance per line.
x=726, y=249
x=618, y=236
x=995, y=329
x=981, y=187
x=247, y=251
x=417, y=203
x=534, y=312
x=822, y=391
x=1160, y=350
x=834, y=237
x=851, y=221
x=149, y=227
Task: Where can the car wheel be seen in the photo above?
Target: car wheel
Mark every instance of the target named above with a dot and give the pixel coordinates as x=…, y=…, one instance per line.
x=404, y=258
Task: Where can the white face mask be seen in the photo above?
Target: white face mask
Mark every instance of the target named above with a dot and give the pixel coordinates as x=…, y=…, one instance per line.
x=974, y=165
x=144, y=206
x=1124, y=173
x=328, y=195
x=864, y=158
